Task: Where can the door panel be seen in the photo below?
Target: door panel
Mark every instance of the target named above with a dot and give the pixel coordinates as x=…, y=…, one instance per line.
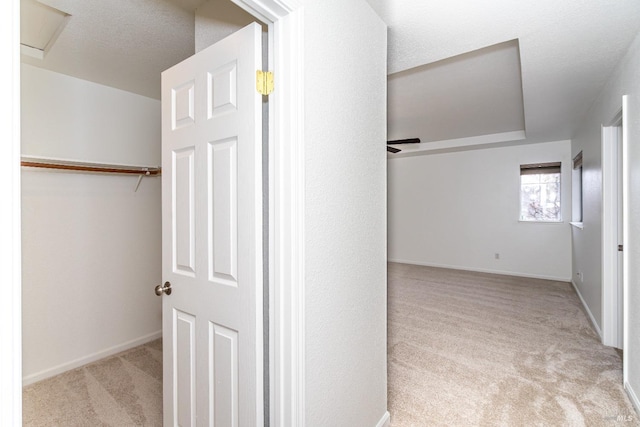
x=212, y=235
x=224, y=359
x=184, y=353
x=184, y=218
x=182, y=105
x=224, y=187
x=222, y=90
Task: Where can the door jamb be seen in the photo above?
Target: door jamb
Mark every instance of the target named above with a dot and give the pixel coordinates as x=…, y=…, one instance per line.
x=286, y=208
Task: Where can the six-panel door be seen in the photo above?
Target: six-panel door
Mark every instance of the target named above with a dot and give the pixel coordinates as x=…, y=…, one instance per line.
x=212, y=235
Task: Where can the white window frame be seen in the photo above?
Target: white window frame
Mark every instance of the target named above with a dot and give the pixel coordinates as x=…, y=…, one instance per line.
x=542, y=166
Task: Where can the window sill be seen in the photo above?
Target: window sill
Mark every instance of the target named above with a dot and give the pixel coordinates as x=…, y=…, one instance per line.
x=579, y=225
x=522, y=221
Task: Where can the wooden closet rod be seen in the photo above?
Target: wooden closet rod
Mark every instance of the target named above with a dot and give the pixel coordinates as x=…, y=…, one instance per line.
x=89, y=167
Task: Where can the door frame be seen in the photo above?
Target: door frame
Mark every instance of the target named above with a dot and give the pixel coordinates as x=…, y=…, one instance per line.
x=286, y=208
x=613, y=146
x=286, y=212
x=610, y=217
x=625, y=238
x=10, y=255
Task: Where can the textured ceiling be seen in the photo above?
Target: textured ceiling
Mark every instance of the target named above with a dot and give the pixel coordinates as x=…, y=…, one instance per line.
x=121, y=43
x=567, y=49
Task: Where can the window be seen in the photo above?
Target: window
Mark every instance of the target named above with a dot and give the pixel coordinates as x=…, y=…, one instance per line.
x=576, y=190
x=540, y=192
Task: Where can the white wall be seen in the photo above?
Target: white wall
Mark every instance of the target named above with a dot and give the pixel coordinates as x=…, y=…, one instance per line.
x=71, y=118
x=345, y=214
x=459, y=209
x=91, y=245
x=587, y=243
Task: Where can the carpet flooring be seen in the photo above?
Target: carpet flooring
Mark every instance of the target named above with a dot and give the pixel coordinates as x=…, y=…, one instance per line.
x=474, y=349
x=464, y=349
x=120, y=391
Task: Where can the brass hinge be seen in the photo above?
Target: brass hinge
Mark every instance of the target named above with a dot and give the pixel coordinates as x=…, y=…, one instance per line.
x=264, y=82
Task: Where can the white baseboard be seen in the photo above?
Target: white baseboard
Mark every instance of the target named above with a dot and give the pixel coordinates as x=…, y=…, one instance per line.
x=586, y=308
x=483, y=270
x=632, y=396
x=385, y=421
x=50, y=372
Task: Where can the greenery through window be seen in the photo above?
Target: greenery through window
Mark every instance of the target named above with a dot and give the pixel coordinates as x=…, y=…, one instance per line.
x=540, y=192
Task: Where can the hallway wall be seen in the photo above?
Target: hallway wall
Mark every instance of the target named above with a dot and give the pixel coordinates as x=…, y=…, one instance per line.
x=345, y=214
x=587, y=242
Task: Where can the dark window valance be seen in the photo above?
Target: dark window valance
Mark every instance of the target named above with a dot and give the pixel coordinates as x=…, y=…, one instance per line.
x=538, y=168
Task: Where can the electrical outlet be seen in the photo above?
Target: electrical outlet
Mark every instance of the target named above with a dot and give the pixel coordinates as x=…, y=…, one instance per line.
x=579, y=274
x=497, y=255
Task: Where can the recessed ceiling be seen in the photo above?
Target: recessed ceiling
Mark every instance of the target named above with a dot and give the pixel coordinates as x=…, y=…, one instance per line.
x=477, y=93
x=568, y=49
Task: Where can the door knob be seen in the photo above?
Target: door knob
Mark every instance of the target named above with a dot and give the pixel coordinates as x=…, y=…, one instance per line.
x=163, y=289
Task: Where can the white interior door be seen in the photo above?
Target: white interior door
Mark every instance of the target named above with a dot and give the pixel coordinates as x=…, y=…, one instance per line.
x=620, y=237
x=613, y=233
x=212, y=235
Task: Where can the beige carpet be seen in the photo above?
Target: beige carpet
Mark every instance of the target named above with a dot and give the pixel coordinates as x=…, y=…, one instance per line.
x=472, y=349
x=465, y=349
x=119, y=391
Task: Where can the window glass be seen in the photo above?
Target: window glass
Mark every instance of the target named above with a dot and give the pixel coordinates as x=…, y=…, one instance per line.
x=540, y=193
x=576, y=189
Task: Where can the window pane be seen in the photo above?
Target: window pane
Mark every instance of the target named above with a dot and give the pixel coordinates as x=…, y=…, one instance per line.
x=550, y=177
x=529, y=179
x=540, y=197
x=576, y=194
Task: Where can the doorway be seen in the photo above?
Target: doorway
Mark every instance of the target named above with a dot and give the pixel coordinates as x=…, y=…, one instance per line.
x=87, y=232
x=287, y=153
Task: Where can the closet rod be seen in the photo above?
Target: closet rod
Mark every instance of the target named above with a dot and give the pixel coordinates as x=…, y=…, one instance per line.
x=87, y=167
